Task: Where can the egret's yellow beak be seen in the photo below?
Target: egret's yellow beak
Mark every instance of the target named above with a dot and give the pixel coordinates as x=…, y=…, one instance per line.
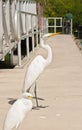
x=50, y=34
x=53, y=34
x=30, y=97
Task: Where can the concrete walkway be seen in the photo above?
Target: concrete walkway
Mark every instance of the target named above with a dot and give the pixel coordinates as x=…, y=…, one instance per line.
x=60, y=85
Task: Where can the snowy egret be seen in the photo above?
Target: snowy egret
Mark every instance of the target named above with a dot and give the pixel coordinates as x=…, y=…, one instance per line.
x=17, y=112
x=37, y=66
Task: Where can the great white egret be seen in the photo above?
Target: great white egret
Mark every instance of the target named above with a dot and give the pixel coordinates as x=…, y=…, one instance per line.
x=17, y=112
x=37, y=66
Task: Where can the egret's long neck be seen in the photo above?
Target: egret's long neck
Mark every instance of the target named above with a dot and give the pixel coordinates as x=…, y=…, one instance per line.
x=49, y=51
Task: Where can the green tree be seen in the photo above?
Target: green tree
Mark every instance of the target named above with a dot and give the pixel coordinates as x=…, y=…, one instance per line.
x=54, y=8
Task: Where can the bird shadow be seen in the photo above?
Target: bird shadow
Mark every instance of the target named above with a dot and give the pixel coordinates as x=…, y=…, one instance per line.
x=11, y=101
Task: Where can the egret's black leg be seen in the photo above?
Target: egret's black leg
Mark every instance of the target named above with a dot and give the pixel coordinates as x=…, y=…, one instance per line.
x=37, y=105
x=28, y=90
x=36, y=95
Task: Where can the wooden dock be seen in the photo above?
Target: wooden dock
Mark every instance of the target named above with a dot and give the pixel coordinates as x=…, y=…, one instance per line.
x=60, y=85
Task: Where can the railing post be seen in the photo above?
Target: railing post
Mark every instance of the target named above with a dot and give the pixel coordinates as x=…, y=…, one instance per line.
x=1, y=27
x=36, y=31
x=71, y=25
x=46, y=25
x=32, y=33
x=27, y=46
x=5, y=28
x=19, y=34
x=19, y=53
x=55, y=25
x=27, y=38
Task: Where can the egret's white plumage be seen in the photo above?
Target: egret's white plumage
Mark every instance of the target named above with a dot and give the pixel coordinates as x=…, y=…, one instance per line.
x=37, y=65
x=17, y=112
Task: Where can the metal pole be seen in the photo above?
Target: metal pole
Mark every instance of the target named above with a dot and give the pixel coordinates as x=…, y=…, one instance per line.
x=19, y=43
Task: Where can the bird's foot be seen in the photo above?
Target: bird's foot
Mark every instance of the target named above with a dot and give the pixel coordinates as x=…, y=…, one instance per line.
x=35, y=108
x=42, y=106
x=38, y=107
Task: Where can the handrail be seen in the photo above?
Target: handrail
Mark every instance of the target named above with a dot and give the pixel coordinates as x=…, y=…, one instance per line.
x=23, y=12
x=19, y=28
